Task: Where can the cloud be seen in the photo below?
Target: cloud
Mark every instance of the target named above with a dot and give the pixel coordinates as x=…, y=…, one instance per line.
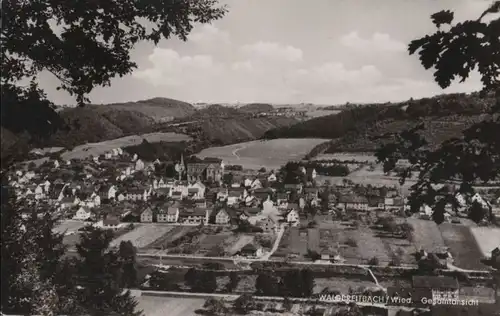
x=378, y=42
x=209, y=35
x=171, y=69
x=273, y=51
x=249, y=77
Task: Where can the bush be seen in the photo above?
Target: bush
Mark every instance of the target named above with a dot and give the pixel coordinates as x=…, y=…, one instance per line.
x=351, y=242
x=373, y=261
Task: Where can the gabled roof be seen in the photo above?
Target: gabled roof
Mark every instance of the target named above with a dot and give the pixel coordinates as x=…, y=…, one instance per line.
x=353, y=199
x=249, y=248
x=435, y=282
x=197, y=211
x=250, y=211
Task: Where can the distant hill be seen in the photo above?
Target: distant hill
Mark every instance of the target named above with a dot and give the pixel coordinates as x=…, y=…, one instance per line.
x=215, y=111
x=446, y=116
x=159, y=109
x=256, y=107
x=96, y=123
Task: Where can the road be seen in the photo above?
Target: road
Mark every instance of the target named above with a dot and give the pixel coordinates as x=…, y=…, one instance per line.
x=138, y=293
x=235, y=152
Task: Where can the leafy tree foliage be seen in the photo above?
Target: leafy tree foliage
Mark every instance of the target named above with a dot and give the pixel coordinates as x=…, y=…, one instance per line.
x=100, y=273
x=215, y=307
x=29, y=260
x=127, y=253
x=83, y=44
x=267, y=284
x=475, y=156
x=244, y=304
x=477, y=212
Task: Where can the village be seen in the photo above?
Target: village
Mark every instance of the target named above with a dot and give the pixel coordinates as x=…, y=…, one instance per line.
x=228, y=218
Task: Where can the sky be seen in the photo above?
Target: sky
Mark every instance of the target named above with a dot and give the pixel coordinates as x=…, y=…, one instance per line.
x=291, y=51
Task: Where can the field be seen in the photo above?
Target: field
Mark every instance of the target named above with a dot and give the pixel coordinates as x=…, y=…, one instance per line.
x=239, y=243
x=355, y=246
x=463, y=246
x=270, y=154
x=361, y=157
x=143, y=235
x=426, y=235
x=69, y=225
x=171, y=306
x=87, y=150
x=486, y=238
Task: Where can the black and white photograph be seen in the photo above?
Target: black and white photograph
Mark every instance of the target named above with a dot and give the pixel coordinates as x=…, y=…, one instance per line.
x=250, y=157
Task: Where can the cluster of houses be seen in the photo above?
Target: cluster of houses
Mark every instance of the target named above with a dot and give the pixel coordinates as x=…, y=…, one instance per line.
x=112, y=183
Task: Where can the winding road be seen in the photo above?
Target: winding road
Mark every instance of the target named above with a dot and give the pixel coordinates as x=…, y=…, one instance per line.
x=235, y=152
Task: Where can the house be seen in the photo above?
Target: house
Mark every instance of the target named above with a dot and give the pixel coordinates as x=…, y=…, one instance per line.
x=262, y=194
x=292, y=217
x=250, y=250
x=268, y=207
x=248, y=212
x=173, y=214
x=208, y=169
x=39, y=192
x=393, y=203
x=235, y=195
x=289, y=187
x=194, y=216
x=311, y=193
x=107, y=192
x=147, y=215
x=108, y=155
x=46, y=186
x=136, y=194
x=180, y=190
x=196, y=190
x=495, y=253
x=352, y=202
x=272, y=178
x=161, y=215
x=256, y=184
x=162, y=192
x=247, y=183
x=282, y=199
x=83, y=213
x=222, y=217
x=139, y=165
x=270, y=224
x=56, y=164
x=111, y=222
x=442, y=287
x=223, y=194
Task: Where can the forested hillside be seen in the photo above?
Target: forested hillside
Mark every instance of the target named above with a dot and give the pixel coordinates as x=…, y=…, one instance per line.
x=445, y=116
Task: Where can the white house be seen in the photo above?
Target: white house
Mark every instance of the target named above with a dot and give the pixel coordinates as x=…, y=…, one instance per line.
x=108, y=155
x=256, y=184
x=83, y=213
x=222, y=217
x=196, y=190
x=39, y=192
x=268, y=207
x=272, y=178
x=247, y=183
x=292, y=217
x=56, y=164
x=135, y=157
x=172, y=214
x=95, y=159
x=46, y=186
x=139, y=165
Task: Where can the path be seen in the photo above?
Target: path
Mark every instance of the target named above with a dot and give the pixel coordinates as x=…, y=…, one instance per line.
x=235, y=152
x=276, y=244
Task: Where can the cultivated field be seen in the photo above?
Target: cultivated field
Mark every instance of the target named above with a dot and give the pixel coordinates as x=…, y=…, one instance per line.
x=426, y=235
x=143, y=235
x=239, y=243
x=271, y=154
x=171, y=306
x=69, y=226
x=100, y=148
x=361, y=157
x=486, y=238
x=463, y=246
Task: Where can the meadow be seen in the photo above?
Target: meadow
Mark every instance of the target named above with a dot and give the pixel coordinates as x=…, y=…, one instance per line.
x=486, y=238
x=271, y=154
x=171, y=306
x=94, y=149
x=143, y=235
